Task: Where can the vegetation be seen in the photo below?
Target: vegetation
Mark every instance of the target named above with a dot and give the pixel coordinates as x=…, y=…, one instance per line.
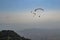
x=10, y=35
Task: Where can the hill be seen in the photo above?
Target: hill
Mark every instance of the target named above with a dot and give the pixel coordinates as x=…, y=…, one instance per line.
x=10, y=35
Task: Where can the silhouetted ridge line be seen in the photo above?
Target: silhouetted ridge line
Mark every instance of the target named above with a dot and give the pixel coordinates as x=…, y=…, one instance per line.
x=10, y=35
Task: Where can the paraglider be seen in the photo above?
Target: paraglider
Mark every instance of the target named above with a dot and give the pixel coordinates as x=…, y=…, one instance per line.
x=39, y=16
x=37, y=11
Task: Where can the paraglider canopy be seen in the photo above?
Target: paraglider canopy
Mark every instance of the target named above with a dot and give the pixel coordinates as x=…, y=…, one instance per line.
x=38, y=11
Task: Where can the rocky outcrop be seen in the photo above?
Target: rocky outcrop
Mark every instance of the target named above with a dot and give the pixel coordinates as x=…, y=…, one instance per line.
x=10, y=35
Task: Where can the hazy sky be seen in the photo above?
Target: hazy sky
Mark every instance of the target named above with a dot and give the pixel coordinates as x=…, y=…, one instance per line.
x=16, y=14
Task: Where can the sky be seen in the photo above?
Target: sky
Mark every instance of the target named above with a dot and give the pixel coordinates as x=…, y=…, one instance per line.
x=16, y=14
